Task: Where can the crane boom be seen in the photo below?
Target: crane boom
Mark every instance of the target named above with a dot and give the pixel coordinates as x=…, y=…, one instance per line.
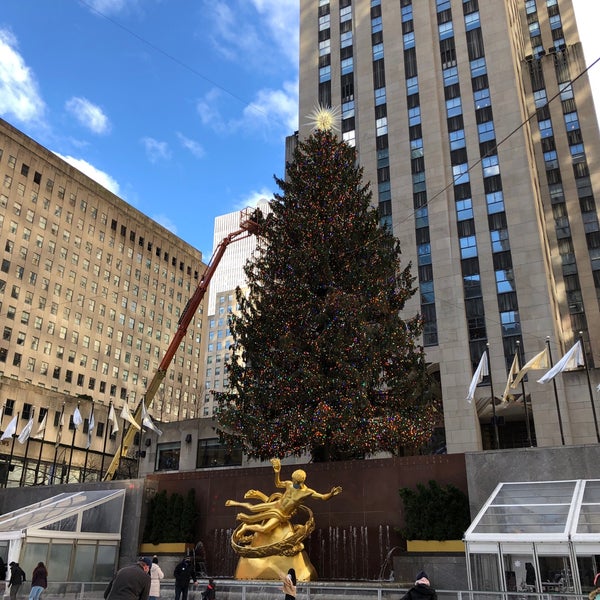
x=249, y=225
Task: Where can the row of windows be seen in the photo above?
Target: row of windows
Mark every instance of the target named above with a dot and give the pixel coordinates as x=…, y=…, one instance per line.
x=93, y=212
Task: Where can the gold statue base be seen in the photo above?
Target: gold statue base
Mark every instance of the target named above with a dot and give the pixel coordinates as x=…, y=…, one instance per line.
x=258, y=562
x=271, y=567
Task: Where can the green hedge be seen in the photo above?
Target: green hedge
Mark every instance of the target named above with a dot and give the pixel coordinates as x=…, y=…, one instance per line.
x=435, y=513
x=171, y=518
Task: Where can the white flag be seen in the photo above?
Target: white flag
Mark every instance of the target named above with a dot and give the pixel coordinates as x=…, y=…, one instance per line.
x=481, y=371
x=77, y=418
x=571, y=360
x=125, y=414
x=113, y=419
x=91, y=425
x=42, y=427
x=539, y=361
x=512, y=374
x=24, y=435
x=147, y=421
x=10, y=430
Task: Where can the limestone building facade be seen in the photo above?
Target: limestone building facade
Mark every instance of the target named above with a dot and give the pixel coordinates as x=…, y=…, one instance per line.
x=91, y=292
x=475, y=125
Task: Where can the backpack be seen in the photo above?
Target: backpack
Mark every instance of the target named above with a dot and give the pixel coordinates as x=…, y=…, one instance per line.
x=17, y=576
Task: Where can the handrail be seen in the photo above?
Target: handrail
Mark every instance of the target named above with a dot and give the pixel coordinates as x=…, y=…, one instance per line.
x=314, y=590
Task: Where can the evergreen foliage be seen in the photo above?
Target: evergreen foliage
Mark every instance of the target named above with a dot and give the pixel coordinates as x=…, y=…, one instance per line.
x=435, y=513
x=171, y=518
x=324, y=361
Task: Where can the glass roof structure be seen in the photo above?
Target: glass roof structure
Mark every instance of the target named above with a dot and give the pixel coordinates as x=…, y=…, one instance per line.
x=536, y=537
x=90, y=514
x=540, y=511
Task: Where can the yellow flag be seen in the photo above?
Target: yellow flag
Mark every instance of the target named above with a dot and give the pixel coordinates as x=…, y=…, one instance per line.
x=512, y=374
x=539, y=361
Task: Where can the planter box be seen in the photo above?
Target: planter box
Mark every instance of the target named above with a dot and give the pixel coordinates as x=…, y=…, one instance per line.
x=435, y=546
x=167, y=548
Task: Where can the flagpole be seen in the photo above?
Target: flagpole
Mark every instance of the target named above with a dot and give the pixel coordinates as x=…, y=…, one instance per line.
x=562, y=435
x=12, y=451
x=24, y=470
x=587, y=372
x=528, y=425
x=72, y=447
x=57, y=443
x=494, y=418
x=104, y=445
x=37, y=467
x=1, y=419
x=122, y=438
x=89, y=443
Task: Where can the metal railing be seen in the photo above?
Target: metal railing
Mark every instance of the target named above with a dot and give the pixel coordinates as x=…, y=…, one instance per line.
x=271, y=590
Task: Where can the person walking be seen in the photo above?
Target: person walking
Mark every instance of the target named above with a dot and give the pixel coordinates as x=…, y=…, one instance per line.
x=17, y=577
x=39, y=581
x=183, y=573
x=156, y=575
x=289, y=585
x=131, y=583
x=422, y=589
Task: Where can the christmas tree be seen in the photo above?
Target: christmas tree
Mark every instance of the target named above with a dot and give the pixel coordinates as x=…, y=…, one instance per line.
x=324, y=362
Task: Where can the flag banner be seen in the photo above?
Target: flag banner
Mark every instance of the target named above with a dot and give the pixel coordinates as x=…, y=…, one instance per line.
x=24, y=435
x=125, y=414
x=91, y=425
x=77, y=418
x=539, y=361
x=147, y=421
x=112, y=417
x=61, y=424
x=571, y=360
x=10, y=430
x=481, y=371
x=512, y=374
x=42, y=427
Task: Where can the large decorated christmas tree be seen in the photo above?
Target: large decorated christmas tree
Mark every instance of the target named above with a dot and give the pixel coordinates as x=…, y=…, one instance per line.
x=325, y=361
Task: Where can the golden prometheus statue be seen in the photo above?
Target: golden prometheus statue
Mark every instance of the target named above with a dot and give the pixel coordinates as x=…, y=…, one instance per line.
x=266, y=540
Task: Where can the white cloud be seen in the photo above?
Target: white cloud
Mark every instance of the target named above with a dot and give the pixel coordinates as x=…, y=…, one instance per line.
x=92, y=172
x=253, y=198
x=108, y=6
x=273, y=112
x=156, y=150
x=282, y=20
x=238, y=34
x=19, y=95
x=275, y=106
x=194, y=147
x=165, y=222
x=89, y=115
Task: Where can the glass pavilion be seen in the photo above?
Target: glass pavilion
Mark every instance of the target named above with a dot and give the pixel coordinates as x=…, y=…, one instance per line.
x=76, y=535
x=539, y=537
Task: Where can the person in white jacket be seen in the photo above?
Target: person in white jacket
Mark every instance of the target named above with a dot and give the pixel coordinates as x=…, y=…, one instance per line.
x=156, y=575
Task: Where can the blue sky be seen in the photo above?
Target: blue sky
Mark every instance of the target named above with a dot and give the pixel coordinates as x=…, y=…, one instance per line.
x=180, y=107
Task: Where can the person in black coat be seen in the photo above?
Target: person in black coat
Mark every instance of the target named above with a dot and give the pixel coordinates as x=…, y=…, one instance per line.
x=17, y=577
x=184, y=573
x=422, y=589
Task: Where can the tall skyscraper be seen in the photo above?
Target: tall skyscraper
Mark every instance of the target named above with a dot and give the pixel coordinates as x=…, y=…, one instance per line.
x=222, y=303
x=475, y=125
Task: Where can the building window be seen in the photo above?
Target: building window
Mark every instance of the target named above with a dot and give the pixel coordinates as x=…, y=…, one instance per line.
x=167, y=456
x=213, y=454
